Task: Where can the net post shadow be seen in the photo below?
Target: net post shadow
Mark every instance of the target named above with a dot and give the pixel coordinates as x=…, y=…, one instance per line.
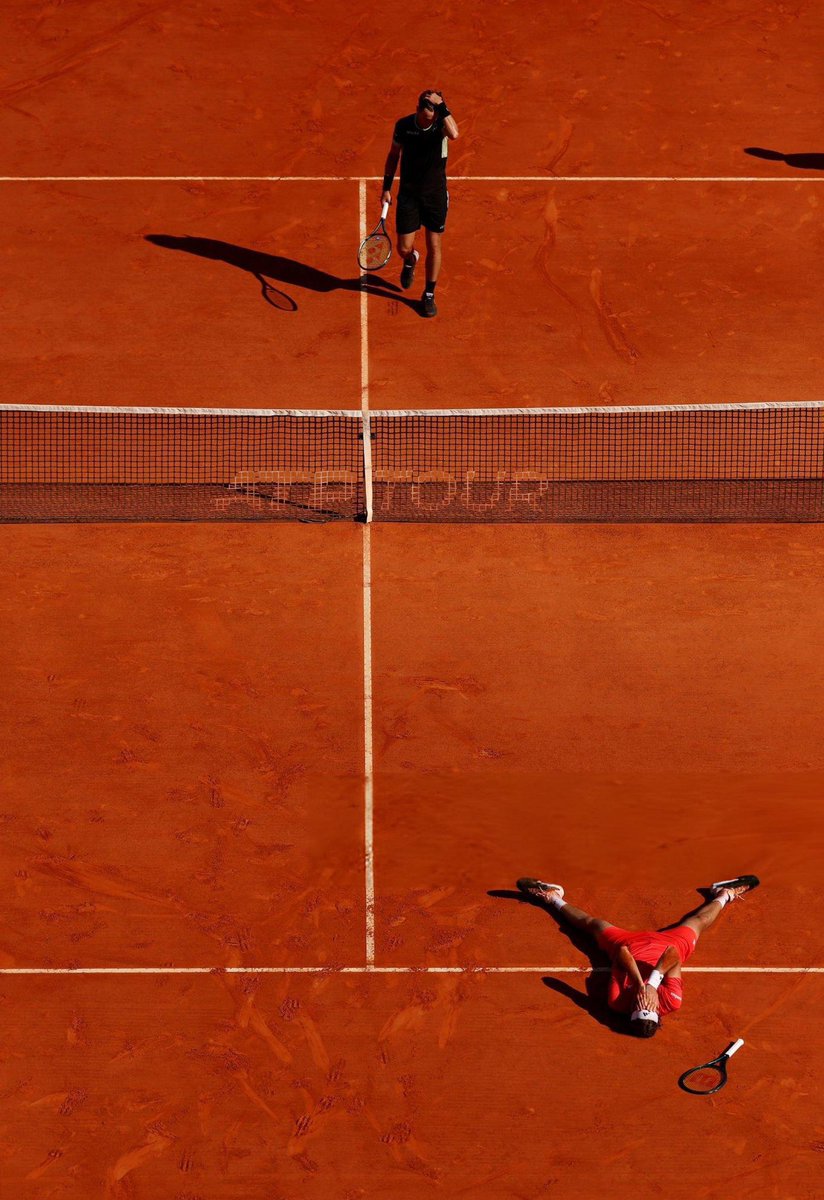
x=290, y=272
x=592, y=1001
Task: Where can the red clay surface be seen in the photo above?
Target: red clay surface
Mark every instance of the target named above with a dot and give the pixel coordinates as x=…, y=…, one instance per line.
x=405, y=1087
x=98, y=315
x=581, y=294
x=634, y=711
x=588, y=294
x=668, y=88
x=183, y=746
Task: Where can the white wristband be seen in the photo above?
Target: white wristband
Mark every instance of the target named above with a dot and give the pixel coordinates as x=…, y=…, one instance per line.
x=654, y=980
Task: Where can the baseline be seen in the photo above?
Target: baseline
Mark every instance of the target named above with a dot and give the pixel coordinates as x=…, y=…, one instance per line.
x=377, y=178
x=372, y=969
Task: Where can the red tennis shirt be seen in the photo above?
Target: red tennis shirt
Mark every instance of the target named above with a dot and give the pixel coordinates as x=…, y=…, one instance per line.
x=646, y=948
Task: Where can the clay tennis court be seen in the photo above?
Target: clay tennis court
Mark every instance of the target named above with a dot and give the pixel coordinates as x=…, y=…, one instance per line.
x=267, y=786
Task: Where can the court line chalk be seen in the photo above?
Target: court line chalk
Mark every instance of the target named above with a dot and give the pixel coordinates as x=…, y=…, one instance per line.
x=453, y=179
x=373, y=969
x=368, y=776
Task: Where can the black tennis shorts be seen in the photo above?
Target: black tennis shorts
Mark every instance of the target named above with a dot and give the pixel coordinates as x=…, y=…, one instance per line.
x=422, y=208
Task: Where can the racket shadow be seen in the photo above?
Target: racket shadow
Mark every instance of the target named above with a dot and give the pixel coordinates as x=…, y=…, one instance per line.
x=268, y=268
x=801, y=162
x=593, y=1000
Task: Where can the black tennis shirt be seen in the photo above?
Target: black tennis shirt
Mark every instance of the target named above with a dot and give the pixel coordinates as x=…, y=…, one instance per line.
x=423, y=154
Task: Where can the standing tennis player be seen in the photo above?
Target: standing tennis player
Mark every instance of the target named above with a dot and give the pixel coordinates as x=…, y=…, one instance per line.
x=645, y=980
x=420, y=142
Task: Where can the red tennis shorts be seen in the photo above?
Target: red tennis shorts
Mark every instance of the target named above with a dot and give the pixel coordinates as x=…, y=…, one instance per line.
x=647, y=946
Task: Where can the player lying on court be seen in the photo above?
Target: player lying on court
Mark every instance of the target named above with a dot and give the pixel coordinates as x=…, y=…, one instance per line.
x=420, y=142
x=645, y=981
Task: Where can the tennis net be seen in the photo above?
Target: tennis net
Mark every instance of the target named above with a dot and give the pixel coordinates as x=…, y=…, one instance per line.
x=760, y=462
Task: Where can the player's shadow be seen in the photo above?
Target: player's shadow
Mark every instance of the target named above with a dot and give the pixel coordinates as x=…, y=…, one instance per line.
x=593, y=1000
x=803, y=162
x=286, y=271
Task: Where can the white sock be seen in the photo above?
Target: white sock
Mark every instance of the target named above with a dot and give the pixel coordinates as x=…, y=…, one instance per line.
x=555, y=900
x=723, y=898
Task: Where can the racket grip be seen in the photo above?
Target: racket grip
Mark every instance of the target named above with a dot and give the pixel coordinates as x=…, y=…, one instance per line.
x=384, y=211
x=734, y=1048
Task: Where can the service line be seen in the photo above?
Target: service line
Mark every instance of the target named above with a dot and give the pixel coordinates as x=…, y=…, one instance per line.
x=372, y=969
x=807, y=178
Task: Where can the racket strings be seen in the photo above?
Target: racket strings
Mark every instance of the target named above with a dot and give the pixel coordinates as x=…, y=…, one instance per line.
x=375, y=251
x=703, y=1079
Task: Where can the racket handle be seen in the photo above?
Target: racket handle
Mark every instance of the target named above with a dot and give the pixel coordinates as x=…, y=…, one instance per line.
x=384, y=211
x=734, y=1048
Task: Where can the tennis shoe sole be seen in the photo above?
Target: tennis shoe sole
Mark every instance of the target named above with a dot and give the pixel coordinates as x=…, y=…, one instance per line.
x=748, y=882
x=538, y=889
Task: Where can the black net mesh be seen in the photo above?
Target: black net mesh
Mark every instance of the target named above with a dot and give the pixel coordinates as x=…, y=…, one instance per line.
x=713, y=463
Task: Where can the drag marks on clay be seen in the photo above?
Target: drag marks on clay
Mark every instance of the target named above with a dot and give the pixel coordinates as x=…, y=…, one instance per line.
x=545, y=252
x=51, y=1158
x=433, y=897
x=248, y=1016
x=763, y=18
x=101, y=881
x=450, y=701
x=310, y=1125
x=435, y=1015
x=156, y=1146
x=236, y=1068
x=396, y=1132
x=560, y=144
x=314, y=1041
x=407, y=1152
x=326, y=1092
x=436, y=1011
x=232, y=935
x=609, y=321
x=79, y=56
x=430, y=931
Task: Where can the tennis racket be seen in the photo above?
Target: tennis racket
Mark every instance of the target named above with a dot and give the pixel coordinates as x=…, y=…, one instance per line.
x=376, y=250
x=710, y=1077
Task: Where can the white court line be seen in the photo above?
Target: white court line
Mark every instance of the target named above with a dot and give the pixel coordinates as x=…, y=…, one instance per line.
x=368, y=779
x=371, y=969
x=808, y=178
x=386, y=413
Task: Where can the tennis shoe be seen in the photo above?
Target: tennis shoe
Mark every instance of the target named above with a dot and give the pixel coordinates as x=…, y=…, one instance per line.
x=430, y=308
x=739, y=886
x=538, y=889
x=408, y=272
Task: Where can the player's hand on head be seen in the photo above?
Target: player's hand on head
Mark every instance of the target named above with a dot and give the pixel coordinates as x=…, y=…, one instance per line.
x=436, y=97
x=650, y=999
